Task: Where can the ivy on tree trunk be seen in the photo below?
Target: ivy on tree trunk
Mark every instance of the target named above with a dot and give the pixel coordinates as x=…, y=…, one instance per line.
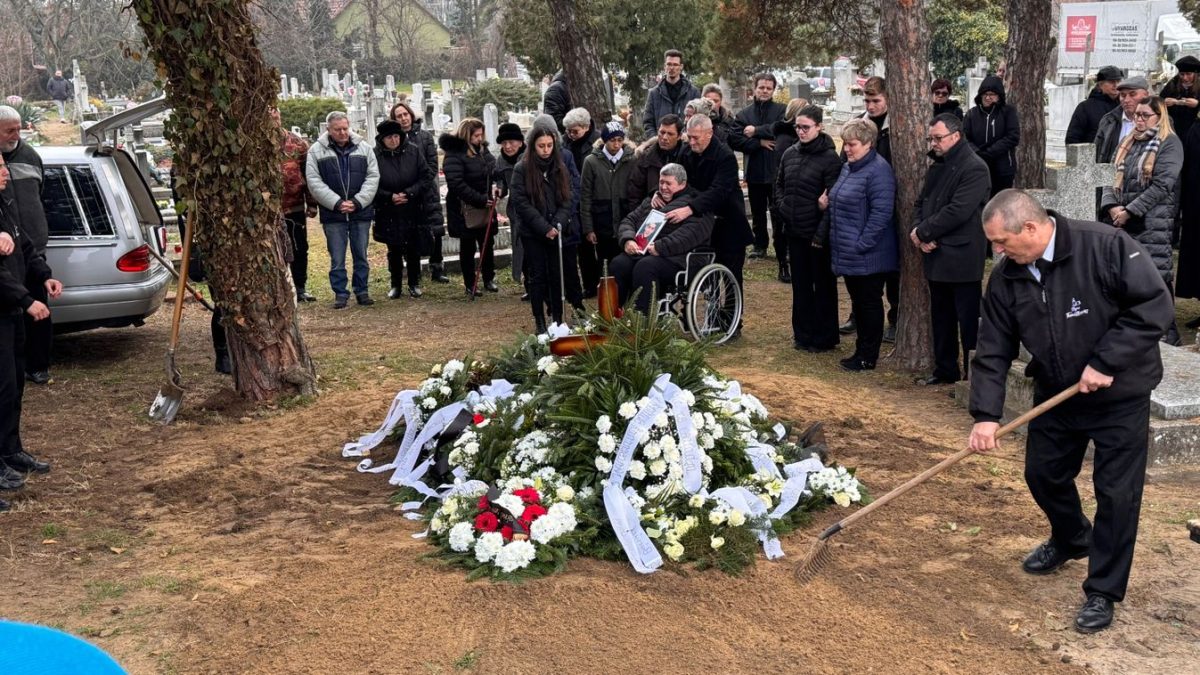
x=226, y=160
x=1028, y=59
x=576, y=40
x=905, y=41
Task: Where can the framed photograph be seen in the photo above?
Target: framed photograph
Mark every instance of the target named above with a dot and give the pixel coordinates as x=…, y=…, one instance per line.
x=650, y=229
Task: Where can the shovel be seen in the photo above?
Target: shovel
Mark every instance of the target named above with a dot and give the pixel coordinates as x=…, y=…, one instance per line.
x=170, y=396
x=191, y=289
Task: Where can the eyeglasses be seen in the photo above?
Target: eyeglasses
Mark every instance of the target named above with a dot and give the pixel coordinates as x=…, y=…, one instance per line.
x=941, y=93
x=938, y=139
x=805, y=128
x=1145, y=116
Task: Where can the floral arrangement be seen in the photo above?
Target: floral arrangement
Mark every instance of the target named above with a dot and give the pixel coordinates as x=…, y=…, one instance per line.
x=634, y=449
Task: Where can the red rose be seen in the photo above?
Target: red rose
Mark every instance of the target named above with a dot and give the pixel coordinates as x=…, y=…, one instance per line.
x=532, y=513
x=506, y=532
x=528, y=495
x=477, y=419
x=486, y=522
x=484, y=504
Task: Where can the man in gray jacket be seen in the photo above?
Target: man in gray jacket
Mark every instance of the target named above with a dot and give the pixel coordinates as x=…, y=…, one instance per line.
x=343, y=176
x=670, y=95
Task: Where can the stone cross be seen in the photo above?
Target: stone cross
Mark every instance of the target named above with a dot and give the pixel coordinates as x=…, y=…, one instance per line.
x=436, y=122
x=1071, y=190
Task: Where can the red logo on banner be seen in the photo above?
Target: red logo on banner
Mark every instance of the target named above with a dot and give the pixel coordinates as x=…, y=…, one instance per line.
x=1079, y=28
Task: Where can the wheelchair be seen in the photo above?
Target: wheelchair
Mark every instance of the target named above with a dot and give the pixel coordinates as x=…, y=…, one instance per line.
x=706, y=298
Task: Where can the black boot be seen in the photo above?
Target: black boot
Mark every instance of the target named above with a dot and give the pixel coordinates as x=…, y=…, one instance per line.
x=437, y=272
x=224, y=363
x=24, y=462
x=539, y=325
x=785, y=274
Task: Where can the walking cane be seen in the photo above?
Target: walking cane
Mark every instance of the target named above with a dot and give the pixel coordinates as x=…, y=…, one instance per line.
x=562, y=275
x=487, y=230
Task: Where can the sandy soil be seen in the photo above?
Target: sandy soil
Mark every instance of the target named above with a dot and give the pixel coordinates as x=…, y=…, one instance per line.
x=238, y=540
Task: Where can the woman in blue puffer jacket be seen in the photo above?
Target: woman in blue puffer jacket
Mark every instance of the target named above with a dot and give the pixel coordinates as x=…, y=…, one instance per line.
x=861, y=236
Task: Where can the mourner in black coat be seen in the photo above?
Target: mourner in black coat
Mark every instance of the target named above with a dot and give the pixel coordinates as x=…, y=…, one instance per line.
x=406, y=205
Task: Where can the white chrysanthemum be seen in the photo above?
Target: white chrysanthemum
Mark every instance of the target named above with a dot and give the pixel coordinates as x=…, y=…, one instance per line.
x=429, y=403
x=706, y=441
x=637, y=470
x=697, y=419
x=603, y=464
x=674, y=471
x=674, y=550
x=737, y=518
x=717, y=517
x=841, y=499
x=604, y=424
x=564, y=513
x=607, y=443
x=706, y=463
x=652, y=450
x=488, y=545
x=716, y=542
x=445, y=391
x=564, y=493
x=515, y=555
x=717, y=431
x=658, y=467
x=511, y=503
x=696, y=501
x=661, y=420
x=671, y=455
x=452, y=368
x=667, y=443
x=627, y=410
x=471, y=448
x=462, y=537
x=644, y=437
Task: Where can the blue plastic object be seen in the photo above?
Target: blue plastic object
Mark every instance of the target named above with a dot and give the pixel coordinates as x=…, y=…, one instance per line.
x=26, y=649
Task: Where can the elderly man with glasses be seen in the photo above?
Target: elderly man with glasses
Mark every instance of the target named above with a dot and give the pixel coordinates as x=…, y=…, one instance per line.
x=949, y=235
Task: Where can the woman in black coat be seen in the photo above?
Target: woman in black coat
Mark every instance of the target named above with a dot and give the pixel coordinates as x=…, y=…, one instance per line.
x=470, y=172
x=807, y=171
x=403, y=113
x=405, y=205
x=1188, y=283
x=544, y=194
x=512, y=149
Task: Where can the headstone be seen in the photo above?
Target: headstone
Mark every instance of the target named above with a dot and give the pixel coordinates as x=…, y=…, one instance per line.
x=447, y=87
x=324, y=81
x=1061, y=102
x=480, y=75
x=491, y=74
x=295, y=86
x=491, y=122
x=353, y=70
x=1071, y=189
x=975, y=77
x=390, y=83
x=843, y=82
x=436, y=119
x=283, y=86
x=456, y=108
x=418, y=95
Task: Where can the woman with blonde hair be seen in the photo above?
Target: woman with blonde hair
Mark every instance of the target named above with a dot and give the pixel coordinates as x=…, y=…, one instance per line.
x=404, y=114
x=471, y=192
x=1144, y=194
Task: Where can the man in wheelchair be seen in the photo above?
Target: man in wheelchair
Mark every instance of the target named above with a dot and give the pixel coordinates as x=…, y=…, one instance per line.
x=649, y=263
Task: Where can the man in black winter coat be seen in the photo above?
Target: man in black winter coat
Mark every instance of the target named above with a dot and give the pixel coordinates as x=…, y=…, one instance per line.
x=949, y=235
x=557, y=99
x=712, y=171
x=670, y=95
x=665, y=148
x=1087, y=302
x=992, y=128
x=20, y=264
x=756, y=141
x=1085, y=122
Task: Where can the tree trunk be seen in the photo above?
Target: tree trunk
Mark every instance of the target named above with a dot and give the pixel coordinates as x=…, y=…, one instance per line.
x=905, y=48
x=576, y=40
x=1028, y=54
x=226, y=150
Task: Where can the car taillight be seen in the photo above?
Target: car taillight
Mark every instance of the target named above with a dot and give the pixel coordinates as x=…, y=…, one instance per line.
x=137, y=260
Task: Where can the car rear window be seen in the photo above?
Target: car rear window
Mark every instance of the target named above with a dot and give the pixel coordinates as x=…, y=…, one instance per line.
x=73, y=203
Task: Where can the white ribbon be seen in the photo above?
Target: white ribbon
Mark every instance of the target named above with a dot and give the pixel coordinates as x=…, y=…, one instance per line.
x=796, y=485
x=362, y=447
x=747, y=502
x=689, y=447
x=625, y=520
x=406, y=459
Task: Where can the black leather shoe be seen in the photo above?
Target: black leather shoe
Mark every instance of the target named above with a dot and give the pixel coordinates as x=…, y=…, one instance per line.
x=438, y=274
x=539, y=326
x=1172, y=337
x=849, y=327
x=1048, y=557
x=889, y=335
x=492, y=287
x=1095, y=615
x=933, y=380
x=27, y=463
x=304, y=296
x=224, y=364
x=394, y=293
x=39, y=377
x=10, y=479
x=855, y=364
x=365, y=300
x=785, y=274
x=415, y=291
x=524, y=297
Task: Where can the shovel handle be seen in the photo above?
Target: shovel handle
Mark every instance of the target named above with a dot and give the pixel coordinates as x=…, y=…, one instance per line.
x=952, y=460
x=175, y=273
x=181, y=288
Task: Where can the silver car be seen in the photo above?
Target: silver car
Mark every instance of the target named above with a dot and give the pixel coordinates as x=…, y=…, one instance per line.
x=102, y=221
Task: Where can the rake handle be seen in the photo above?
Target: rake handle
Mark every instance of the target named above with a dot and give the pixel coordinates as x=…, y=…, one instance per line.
x=181, y=288
x=948, y=462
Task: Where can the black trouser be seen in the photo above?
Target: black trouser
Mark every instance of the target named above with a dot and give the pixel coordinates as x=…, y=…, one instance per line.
x=542, y=277
x=1001, y=183
x=297, y=230
x=814, y=296
x=592, y=258
x=761, y=195
x=466, y=256
x=397, y=255
x=219, y=339
x=954, y=310
x=891, y=287
x=866, y=301
x=644, y=277
x=1054, y=453
x=435, y=251
x=12, y=382
x=39, y=335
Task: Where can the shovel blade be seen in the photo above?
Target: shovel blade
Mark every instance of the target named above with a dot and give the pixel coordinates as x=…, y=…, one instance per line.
x=166, y=404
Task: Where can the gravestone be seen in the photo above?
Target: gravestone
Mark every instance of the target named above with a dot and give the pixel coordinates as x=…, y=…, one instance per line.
x=523, y=120
x=974, y=79
x=353, y=70
x=283, y=86
x=295, y=87
x=843, y=82
x=390, y=83
x=437, y=118
x=447, y=87
x=456, y=108
x=418, y=95
x=480, y=75
x=1061, y=102
x=1071, y=189
x=491, y=74
x=491, y=123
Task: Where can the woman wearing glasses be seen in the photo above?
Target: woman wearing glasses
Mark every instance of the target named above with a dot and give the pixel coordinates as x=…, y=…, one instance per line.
x=807, y=171
x=942, y=103
x=1143, y=195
